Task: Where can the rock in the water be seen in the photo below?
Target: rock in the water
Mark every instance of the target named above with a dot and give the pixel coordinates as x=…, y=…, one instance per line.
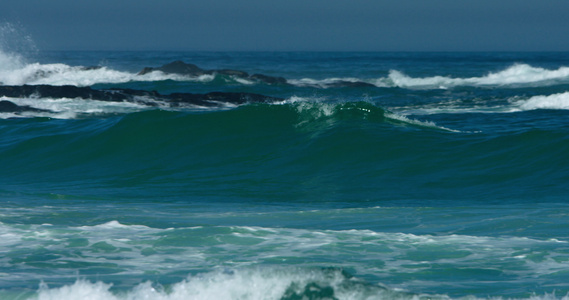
x=182, y=68
x=177, y=67
x=229, y=72
x=11, y=107
x=268, y=79
x=150, y=98
x=65, y=91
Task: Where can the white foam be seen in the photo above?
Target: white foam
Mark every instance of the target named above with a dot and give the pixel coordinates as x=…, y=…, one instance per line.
x=427, y=124
x=61, y=74
x=116, y=225
x=515, y=75
x=248, y=284
x=13, y=42
x=242, y=80
x=139, y=248
x=9, y=62
x=555, y=101
x=518, y=74
x=243, y=284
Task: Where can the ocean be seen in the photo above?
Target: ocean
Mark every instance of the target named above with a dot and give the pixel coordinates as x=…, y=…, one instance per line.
x=371, y=176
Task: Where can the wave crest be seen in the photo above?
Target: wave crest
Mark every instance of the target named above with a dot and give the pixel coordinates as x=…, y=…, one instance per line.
x=555, y=101
x=518, y=74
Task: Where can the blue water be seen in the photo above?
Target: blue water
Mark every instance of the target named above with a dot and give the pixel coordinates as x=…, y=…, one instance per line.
x=444, y=177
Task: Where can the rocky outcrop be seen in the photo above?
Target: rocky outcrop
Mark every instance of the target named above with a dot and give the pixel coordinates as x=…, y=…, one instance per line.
x=182, y=68
x=11, y=107
x=150, y=98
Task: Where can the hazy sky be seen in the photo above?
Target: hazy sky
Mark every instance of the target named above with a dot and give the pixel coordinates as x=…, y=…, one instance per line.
x=368, y=25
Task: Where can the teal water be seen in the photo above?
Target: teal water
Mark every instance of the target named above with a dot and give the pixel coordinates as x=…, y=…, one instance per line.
x=445, y=179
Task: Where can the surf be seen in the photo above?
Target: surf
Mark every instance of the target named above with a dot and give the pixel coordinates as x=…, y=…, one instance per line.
x=514, y=76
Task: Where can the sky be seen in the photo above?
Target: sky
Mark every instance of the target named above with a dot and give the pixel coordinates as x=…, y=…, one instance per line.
x=293, y=25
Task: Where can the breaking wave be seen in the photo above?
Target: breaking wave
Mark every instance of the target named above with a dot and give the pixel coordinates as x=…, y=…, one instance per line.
x=15, y=71
x=244, y=284
x=555, y=101
x=61, y=74
x=516, y=75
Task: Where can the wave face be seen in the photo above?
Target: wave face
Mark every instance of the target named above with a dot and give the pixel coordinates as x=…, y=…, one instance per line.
x=338, y=145
x=366, y=176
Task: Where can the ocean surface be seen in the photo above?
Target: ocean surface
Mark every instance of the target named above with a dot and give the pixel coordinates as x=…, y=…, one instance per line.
x=444, y=176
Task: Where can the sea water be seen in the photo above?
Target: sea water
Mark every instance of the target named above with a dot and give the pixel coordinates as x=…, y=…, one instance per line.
x=447, y=176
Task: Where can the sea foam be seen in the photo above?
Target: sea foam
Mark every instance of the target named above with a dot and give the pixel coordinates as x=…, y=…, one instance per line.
x=518, y=74
x=62, y=74
x=250, y=284
x=555, y=101
x=245, y=284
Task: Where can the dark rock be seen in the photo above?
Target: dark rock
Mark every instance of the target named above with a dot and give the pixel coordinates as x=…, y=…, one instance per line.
x=11, y=107
x=268, y=79
x=177, y=67
x=150, y=98
x=146, y=71
x=215, y=98
x=65, y=91
x=89, y=68
x=182, y=68
x=231, y=73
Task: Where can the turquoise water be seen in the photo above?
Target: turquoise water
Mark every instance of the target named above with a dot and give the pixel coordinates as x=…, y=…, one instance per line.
x=446, y=177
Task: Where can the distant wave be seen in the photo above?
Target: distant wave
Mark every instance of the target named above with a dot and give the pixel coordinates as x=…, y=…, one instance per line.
x=518, y=74
x=14, y=71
